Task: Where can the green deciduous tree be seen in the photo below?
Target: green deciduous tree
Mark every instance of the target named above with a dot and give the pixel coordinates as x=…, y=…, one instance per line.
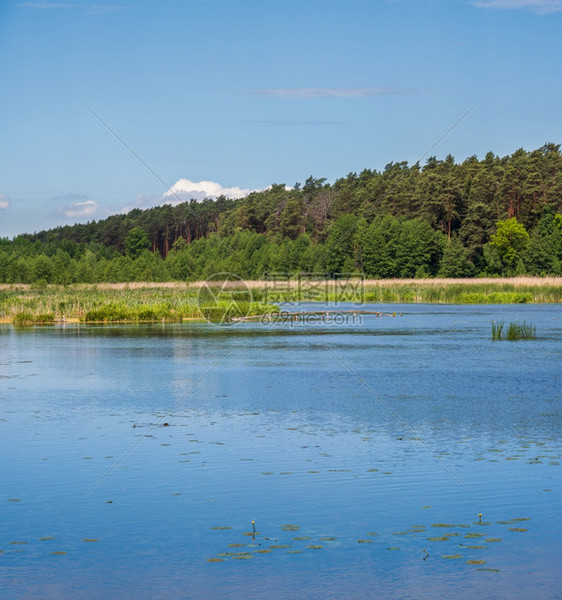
x=510, y=240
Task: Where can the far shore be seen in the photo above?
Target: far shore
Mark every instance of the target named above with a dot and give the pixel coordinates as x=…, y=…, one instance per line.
x=28, y=304
x=295, y=281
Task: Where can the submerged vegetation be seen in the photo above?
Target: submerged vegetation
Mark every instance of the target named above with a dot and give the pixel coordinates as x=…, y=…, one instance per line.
x=515, y=331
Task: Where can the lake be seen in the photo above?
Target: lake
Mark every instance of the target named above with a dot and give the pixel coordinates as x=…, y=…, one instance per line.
x=135, y=458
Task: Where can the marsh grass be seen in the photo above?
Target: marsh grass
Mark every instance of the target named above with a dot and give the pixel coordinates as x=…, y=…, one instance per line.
x=415, y=291
x=150, y=302
x=32, y=305
x=515, y=331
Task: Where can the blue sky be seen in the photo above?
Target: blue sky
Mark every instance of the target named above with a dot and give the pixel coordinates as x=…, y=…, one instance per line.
x=240, y=94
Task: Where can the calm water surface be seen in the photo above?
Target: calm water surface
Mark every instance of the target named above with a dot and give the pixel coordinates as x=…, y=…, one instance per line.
x=135, y=458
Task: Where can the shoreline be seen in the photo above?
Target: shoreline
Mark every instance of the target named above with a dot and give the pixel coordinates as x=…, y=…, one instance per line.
x=292, y=282
x=167, y=302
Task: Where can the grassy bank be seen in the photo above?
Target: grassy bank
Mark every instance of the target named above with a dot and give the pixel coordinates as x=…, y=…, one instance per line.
x=175, y=302
x=29, y=305
x=439, y=291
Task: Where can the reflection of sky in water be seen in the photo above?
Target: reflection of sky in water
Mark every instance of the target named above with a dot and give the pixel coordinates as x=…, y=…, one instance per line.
x=282, y=432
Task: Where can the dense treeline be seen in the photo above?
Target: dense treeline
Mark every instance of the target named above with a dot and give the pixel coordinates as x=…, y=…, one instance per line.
x=496, y=216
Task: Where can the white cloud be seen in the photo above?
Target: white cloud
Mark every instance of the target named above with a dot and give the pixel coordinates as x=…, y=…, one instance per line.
x=538, y=6
x=327, y=92
x=4, y=202
x=184, y=189
x=87, y=208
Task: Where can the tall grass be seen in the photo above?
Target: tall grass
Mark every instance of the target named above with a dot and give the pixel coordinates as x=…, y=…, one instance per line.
x=412, y=291
x=176, y=302
x=91, y=303
x=515, y=331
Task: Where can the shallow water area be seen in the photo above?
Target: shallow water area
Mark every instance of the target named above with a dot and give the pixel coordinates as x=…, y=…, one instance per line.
x=135, y=458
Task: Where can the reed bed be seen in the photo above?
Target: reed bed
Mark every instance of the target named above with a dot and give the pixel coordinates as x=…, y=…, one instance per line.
x=515, y=331
x=180, y=301
x=33, y=305
x=430, y=291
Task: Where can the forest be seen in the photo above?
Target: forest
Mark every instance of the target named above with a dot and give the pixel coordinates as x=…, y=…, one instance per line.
x=499, y=216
